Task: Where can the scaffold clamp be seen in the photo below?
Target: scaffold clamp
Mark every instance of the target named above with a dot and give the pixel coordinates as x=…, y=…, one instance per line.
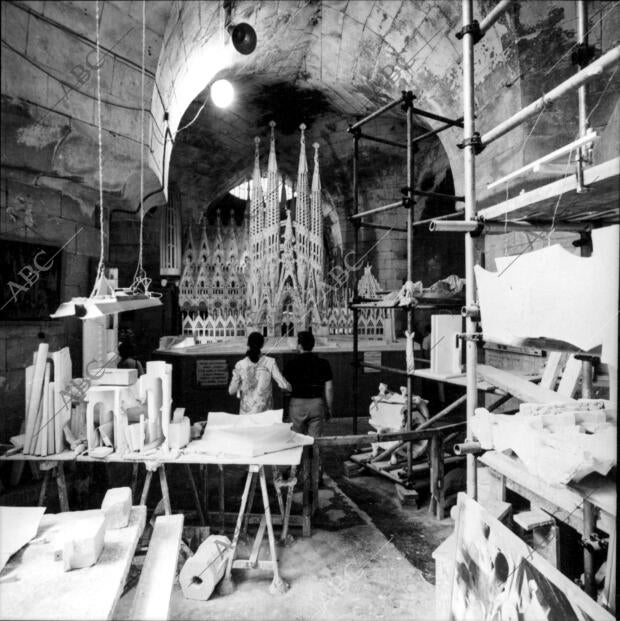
x=473, y=29
x=408, y=98
x=475, y=141
x=476, y=337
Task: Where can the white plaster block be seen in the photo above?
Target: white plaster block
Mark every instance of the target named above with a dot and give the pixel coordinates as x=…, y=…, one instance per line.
x=116, y=506
x=81, y=542
x=114, y=377
x=179, y=433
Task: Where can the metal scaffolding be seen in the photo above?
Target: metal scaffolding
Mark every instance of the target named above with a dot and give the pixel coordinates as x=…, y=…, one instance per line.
x=473, y=225
x=407, y=201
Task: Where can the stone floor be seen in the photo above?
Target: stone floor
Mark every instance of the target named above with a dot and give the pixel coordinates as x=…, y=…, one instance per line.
x=348, y=572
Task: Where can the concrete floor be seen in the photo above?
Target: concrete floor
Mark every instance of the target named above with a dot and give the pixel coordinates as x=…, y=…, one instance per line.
x=352, y=572
x=414, y=532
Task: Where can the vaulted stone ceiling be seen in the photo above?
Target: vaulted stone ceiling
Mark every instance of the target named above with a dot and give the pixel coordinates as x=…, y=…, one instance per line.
x=321, y=62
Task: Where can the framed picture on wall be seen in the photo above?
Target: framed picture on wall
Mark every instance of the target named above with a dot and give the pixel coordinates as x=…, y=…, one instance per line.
x=30, y=275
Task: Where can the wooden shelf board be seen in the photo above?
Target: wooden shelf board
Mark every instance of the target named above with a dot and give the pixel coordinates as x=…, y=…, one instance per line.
x=599, y=203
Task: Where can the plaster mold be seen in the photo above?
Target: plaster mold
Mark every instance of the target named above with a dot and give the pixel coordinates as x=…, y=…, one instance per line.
x=155, y=387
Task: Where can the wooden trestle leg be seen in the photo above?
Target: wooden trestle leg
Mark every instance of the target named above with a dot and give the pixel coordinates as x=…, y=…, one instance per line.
x=227, y=587
x=278, y=585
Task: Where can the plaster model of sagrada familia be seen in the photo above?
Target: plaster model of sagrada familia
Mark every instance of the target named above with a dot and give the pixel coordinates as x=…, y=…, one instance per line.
x=268, y=275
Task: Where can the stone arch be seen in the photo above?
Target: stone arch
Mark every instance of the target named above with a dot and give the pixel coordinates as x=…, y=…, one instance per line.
x=196, y=51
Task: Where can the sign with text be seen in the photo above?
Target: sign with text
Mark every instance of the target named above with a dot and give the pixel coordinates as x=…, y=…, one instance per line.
x=212, y=372
x=372, y=357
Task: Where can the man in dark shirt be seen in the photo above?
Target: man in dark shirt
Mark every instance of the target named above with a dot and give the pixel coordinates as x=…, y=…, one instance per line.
x=312, y=394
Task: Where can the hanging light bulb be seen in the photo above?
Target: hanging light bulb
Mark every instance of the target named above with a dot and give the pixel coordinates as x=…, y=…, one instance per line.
x=222, y=93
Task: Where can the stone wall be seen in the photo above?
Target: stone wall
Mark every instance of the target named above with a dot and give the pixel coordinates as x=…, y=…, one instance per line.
x=48, y=217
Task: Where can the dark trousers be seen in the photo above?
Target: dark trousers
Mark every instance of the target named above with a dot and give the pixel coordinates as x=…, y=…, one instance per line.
x=307, y=415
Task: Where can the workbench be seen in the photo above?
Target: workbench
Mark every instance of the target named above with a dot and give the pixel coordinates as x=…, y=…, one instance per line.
x=455, y=380
x=53, y=467
x=585, y=506
x=34, y=586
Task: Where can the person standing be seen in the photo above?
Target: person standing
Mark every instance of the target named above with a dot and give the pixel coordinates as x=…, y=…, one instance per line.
x=127, y=361
x=312, y=392
x=252, y=377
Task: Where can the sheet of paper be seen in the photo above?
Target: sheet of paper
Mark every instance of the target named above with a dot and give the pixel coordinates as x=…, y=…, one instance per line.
x=18, y=525
x=223, y=419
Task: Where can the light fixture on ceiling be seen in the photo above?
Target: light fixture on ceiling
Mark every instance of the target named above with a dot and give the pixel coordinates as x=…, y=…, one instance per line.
x=243, y=38
x=242, y=35
x=222, y=93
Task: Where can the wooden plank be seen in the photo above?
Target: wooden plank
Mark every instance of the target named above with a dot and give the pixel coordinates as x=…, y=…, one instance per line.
x=553, y=368
x=152, y=599
x=562, y=501
x=604, y=178
x=41, y=589
x=520, y=388
x=425, y=434
x=436, y=478
x=45, y=413
x=456, y=380
x=50, y=429
x=35, y=397
x=62, y=381
x=570, y=378
x=529, y=520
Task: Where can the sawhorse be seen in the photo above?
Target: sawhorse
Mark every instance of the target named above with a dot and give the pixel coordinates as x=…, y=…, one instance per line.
x=59, y=474
x=277, y=585
x=163, y=481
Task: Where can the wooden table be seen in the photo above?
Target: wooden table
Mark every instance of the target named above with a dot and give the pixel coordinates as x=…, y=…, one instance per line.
x=158, y=462
x=584, y=506
x=54, y=466
x=34, y=586
x=563, y=501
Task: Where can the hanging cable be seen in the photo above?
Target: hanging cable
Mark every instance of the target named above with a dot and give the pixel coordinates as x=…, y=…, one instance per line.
x=557, y=203
x=600, y=98
x=141, y=282
x=101, y=265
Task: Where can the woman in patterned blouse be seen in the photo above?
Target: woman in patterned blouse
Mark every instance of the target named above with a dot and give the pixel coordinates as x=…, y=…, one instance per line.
x=252, y=376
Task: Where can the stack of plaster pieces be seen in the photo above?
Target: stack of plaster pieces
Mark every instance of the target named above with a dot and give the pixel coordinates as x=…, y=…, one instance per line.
x=252, y=435
x=387, y=414
x=558, y=442
x=48, y=414
x=131, y=415
x=412, y=292
x=79, y=539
